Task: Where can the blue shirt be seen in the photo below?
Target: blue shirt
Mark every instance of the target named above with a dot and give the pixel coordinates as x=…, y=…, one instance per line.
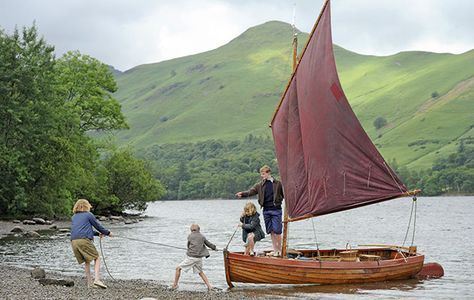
x=81, y=226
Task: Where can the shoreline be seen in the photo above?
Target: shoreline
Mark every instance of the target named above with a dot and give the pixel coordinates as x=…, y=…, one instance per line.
x=17, y=283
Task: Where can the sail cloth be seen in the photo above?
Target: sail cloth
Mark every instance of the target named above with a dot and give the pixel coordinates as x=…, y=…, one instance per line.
x=327, y=161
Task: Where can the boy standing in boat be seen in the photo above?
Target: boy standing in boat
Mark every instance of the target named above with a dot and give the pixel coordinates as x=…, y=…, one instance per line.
x=196, y=251
x=270, y=198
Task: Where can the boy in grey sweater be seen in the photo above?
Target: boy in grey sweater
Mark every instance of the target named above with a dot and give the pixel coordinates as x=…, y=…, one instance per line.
x=196, y=251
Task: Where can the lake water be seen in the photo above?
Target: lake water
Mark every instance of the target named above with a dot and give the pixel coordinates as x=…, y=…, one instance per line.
x=444, y=233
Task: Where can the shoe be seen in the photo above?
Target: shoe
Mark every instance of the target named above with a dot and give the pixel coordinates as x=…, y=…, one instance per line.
x=252, y=253
x=276, y=254
x=100, y=284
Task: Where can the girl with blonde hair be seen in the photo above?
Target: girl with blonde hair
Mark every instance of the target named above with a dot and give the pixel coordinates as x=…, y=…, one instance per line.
x=82, y=237
x=251, y=230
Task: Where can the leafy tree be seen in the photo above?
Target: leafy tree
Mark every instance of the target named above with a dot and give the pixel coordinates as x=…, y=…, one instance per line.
x=86, y=87
x=131, y=182
x=380, y=122
x=434, y=95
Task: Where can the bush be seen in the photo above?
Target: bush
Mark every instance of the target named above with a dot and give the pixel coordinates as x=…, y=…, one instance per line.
x=380, y=122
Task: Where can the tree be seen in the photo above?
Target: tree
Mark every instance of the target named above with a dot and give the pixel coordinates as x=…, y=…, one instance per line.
x=86, y=87
x=131, y=182
x=380, y=122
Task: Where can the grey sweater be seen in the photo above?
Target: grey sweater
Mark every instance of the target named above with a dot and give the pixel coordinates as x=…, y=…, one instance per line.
x=197, y=245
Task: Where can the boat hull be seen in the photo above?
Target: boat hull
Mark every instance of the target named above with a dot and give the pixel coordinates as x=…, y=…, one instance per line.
x=270, y=270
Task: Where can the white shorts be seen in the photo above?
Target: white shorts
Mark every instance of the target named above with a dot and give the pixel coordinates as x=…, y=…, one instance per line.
x=191, y=262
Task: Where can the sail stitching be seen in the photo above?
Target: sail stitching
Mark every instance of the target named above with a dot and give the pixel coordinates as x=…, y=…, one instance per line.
x=368, y=178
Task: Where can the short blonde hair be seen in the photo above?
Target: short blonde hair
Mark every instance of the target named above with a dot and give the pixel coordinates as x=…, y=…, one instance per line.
x=250, y=209
x=265, y=169
x=81, y=205
x=195, y=228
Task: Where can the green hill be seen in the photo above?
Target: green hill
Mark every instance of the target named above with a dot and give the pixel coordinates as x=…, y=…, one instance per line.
x=232, y=91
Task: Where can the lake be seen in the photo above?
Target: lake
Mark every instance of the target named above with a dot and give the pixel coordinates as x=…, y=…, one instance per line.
x=444, y=233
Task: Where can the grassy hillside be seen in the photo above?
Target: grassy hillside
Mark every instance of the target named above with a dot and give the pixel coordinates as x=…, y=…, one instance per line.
x=232, y=91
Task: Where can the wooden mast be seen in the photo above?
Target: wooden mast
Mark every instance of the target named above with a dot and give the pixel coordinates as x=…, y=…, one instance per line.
x=284, y=244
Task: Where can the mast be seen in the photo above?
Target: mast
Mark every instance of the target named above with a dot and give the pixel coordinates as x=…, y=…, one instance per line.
x=284, y=244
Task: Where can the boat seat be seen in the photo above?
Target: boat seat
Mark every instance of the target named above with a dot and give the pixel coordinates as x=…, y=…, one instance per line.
x=369, y=257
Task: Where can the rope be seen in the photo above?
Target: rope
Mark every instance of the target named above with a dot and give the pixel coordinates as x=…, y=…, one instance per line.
x=390, y=172
x=315, y=238
x=413, y=204
x=414, y=223
x=231, y=238
x=105, y=263
x=153, y=243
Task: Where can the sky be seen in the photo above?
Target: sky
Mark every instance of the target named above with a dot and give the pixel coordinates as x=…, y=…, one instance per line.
x=127, y=33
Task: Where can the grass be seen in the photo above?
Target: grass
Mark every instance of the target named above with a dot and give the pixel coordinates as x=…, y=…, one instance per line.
x=232, y=91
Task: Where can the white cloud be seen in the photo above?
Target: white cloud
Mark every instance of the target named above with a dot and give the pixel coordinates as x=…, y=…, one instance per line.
x=128, y=33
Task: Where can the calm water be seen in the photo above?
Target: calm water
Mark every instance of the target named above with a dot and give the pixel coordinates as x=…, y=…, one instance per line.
x=444, y=233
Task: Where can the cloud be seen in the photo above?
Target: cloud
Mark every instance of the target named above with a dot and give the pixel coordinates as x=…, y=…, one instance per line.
x=128, y=33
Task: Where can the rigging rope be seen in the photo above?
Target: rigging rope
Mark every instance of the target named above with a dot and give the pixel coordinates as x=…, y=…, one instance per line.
x=414, y=223
x=315, y=237
x=413, y=205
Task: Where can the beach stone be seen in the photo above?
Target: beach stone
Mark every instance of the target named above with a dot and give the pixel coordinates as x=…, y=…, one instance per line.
x=16, y=221
x=29, y=222
x=140, y=220
x=32, y=234
x=51, y=281
x=53, y=227
x=38, y=273
x=39, y=221
x=64, y=230
x=148, y=298
x=102, y=218
x=117, y=218
x=128, y=221
x=48, y=223
x=17, y=229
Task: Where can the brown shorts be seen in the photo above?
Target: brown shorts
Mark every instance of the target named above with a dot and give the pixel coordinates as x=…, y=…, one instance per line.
x=84, y=250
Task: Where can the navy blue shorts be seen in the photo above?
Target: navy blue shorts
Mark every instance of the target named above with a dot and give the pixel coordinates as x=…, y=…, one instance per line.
x=273, y=221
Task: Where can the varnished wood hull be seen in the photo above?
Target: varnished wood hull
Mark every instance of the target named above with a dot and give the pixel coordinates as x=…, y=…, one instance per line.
x=270, y=270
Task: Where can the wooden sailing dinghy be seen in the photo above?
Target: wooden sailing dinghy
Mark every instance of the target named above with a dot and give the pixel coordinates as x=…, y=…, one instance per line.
x=327, y=164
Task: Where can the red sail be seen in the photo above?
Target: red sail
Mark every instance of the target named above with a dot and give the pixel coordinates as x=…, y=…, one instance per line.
x=327, y=161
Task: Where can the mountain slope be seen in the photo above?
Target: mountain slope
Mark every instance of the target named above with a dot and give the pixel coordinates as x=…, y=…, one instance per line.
x=232, y=91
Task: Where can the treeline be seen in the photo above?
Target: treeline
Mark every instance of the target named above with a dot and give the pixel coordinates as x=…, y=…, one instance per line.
x=451, y=175
x=217, y=169
x=48, y=107
x=211, y=169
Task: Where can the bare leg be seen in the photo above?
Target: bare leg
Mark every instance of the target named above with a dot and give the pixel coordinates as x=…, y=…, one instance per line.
x=87, y=268
x=274, y=243
x=176, y=277
x=206, y=281
x=97, y=268
x=251, y=242
x=278, y=242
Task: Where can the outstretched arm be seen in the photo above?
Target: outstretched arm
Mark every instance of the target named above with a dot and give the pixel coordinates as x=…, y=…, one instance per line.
x=249, y=193
x=96, y=224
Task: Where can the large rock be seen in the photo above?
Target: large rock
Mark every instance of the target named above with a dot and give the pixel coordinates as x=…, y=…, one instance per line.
x=39, y=221
x=116, y=218
x=32, y=234
x=53, y=227
x=50, y=281
x=29, y=222
x=38, y=273
x=48, y=223
x=16, y=221
x=17, y=229
x=102, y=218
x=128, y=221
